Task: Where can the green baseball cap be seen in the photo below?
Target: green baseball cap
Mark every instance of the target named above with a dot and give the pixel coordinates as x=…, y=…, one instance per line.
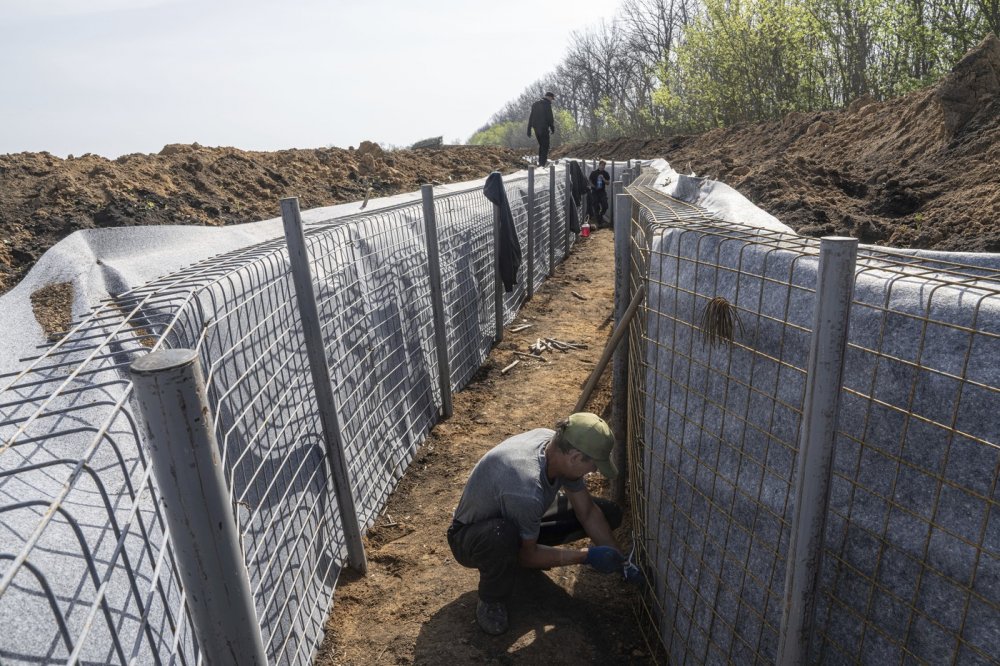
x=589, y=434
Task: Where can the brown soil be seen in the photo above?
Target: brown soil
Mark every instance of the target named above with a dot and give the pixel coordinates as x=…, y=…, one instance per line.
x=52, y=305
x=44, y=198
x=416, y=604
x=921, y=171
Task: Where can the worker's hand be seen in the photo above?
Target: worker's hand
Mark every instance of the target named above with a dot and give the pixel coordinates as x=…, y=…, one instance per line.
x=604, y=559
x=529, y=134
x=552, y=130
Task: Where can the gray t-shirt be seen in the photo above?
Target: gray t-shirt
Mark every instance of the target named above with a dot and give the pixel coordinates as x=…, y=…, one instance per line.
x=510, y=482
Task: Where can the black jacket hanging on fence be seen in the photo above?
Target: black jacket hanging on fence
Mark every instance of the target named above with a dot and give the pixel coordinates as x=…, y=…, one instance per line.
x=509, y=250
x=578, y=186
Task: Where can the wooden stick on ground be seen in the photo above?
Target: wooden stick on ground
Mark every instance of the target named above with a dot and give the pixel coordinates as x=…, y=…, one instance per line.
x=536, y=357
x=505, y=370
x=580, y=296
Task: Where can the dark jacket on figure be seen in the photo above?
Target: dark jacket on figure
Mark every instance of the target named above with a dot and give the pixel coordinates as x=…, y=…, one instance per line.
x=509, y=252
x=541, y=119
x=593, y=179
x=578, y=187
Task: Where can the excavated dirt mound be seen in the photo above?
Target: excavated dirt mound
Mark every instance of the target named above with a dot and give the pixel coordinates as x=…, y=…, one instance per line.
x=44, y=198
x=920, y=171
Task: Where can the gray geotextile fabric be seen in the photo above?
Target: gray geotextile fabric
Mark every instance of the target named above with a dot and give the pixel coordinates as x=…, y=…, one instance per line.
x=911, y=561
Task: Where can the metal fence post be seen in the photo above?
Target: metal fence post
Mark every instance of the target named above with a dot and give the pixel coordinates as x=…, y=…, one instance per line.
x=553, y=219
x=497, y=280
x=170, y=390
x=437, y=299
x=298, y=255
x=614, y=192
x=619, y=369
x=834, y=290
x=532, y=221
x=569, y=202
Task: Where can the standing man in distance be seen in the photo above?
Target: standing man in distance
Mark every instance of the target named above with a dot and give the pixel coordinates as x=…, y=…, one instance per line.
x=599, y=179
x=511, y=514
x=542, y=121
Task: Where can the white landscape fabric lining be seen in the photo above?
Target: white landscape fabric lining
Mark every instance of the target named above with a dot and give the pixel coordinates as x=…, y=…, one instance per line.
x=100, y=264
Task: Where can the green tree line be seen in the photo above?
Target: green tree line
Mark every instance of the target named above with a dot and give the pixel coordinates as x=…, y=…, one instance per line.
x=681, y=66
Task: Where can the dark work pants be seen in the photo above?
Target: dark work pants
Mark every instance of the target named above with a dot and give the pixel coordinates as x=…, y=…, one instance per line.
x=492, y=545
x=600, y=199
x=543, y=145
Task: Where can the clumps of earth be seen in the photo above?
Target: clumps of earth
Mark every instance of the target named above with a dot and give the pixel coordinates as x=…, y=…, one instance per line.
x=919, y=171
x=44, y=198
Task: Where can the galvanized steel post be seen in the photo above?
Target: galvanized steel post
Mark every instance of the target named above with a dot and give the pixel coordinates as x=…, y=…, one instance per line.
x=615, y=192
x=834, y=290
x=298, y=255
x=619, y=368
x=437, y=300
x=552, y=220
x=569, y=202
x=497, y=280
x=532, y=221
x=170, y=390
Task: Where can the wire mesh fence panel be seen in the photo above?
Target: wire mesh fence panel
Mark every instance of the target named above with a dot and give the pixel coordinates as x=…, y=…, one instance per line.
x=720, y=435
x=912, y=548
x=561, y=222
x=374, y=295
x=268, y=427
x=86, y=569
x=517, y=197
x=541, y=232
x=465, y=235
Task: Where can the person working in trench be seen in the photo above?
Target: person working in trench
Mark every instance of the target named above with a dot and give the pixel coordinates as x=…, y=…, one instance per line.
x=512, y=515
x=599, y=180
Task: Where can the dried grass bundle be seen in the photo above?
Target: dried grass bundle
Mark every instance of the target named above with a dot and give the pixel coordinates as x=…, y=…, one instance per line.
x=717, y=322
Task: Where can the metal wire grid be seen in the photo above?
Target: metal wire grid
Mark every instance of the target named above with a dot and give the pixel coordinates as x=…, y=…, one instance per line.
x=88, y=572
x=912, y=546
x=912, y=542
x=719, y=430
x=85, y=550
x=374, y=299
x=541, y=232
x=467, y=259
x=268, y=427
x=517, y=197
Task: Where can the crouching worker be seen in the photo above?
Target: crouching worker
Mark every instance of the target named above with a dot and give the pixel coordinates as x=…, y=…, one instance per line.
x=511, y=513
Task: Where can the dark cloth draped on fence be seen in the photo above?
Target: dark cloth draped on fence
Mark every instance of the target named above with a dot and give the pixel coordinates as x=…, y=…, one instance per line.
x=578, y=184
x=510, y=247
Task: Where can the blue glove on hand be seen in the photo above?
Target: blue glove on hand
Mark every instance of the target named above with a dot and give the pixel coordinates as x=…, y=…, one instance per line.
x=604, y=559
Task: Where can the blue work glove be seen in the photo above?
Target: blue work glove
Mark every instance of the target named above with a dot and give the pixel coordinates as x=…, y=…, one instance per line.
x=604, y=559
x=634, y=575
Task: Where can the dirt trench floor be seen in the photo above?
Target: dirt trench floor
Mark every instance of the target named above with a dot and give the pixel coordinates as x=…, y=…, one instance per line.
x=417, y=605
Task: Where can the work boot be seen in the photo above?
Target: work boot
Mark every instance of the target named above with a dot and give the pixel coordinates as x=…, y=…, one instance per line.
x=492, y=617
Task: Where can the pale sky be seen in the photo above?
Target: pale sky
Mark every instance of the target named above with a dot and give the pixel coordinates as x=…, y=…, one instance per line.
x=129, y=76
